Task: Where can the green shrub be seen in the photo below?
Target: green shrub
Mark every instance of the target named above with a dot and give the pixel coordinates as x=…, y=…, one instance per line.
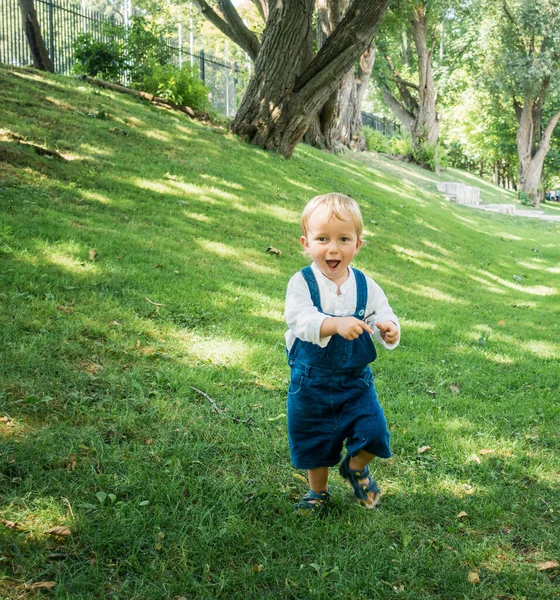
x=376, y=141
x=178, y=85
x=98, y=59
x=402, y=144
x=430, y=156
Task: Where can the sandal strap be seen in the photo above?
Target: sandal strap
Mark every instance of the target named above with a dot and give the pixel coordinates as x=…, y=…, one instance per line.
x=313, y=502
x=361, y=490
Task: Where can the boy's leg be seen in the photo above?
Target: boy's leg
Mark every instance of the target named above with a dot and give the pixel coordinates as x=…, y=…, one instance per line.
x=318, y=479
x=358, y=463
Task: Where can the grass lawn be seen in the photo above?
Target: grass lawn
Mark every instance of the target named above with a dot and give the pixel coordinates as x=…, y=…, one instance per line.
x=135, y=288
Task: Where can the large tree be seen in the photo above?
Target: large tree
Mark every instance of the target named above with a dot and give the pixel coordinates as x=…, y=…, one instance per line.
x=525, y=67
x=292, y=87
x=421, y=41
x=32, y=29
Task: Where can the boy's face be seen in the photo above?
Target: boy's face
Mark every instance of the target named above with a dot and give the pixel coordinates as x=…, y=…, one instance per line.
x=332, y=243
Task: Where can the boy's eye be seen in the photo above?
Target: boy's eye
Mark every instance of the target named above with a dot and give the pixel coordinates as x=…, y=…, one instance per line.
x=345, y=239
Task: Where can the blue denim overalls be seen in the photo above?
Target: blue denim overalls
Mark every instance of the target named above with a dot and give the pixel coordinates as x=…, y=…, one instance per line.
x=332, y=397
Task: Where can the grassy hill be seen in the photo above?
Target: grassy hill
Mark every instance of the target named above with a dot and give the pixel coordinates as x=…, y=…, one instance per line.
x=143, y=374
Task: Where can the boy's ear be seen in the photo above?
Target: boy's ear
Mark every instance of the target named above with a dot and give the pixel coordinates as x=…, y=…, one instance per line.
x=305, y=244
x=359, y=244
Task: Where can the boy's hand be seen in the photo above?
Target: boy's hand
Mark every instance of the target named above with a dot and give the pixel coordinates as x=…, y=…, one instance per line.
x=351, y=328
x=389, y=331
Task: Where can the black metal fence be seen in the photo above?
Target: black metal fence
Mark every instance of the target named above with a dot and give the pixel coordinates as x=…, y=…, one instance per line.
x=381, y=124
x=62, y=21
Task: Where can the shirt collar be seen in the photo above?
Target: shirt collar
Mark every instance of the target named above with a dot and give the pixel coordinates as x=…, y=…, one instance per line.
x=331, y=285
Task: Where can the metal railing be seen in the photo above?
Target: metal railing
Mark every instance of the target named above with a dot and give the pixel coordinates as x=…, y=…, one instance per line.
x=381, y=124
x=62, y=21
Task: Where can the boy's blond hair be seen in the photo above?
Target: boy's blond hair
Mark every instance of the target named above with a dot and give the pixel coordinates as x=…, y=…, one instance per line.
x=337, y=205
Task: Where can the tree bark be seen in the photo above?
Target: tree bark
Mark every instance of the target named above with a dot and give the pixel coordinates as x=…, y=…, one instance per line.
x=426, y=125
x=284, y=95
x=32, y=29
x=531, y=156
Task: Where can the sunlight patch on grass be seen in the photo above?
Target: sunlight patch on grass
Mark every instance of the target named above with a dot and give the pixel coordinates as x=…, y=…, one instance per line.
x=303, y=186
x=283, y=214
x=412, y=324
x=69, y=262
x=554, y=270
x=539, y=290
x=229, y=184
x=216, y=350
x=198, y=217
x=89, y=149
x=532, y=265
x=95, y=196
x=500, y=359
x=436, y=247
x=508, y=236
x=542, y=348
x=426, y=292
x=427, y=225
x=157, y=186
x=220, y=249
x=487, y=285
x=157, y=135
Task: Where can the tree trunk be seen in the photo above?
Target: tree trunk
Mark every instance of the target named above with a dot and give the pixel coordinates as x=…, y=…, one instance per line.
x=425, y=132
x=283, y=95
x=32, y=29
x=349, y=129
x=531, y=157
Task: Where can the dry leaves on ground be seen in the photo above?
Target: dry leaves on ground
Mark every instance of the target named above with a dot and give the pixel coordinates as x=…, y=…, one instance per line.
x=60, y=530
x=549, y=564
x=423, y=449
x=473, y=577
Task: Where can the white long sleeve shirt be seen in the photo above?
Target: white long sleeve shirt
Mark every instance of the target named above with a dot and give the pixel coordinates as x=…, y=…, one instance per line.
x=304, y=320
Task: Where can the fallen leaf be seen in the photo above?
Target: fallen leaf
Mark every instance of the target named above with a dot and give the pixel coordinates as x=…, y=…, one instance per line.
x=273, y=250
x=11, y=524
x=93, y=254
x=300, y=477
x=462, y=515
x=502, y=323
x=137, y=344
x=42, y=585
x=549, y=564
x=393, y=427
x=475, y=458
x=257, y=568
x=486, y=451
x=149, y=441
x=60, y=530
x=280, y=416
x=455, y=389
x=423, y=449
x=473, y=577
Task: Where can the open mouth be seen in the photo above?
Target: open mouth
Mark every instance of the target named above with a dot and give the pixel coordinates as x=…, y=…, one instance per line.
x=332, y=264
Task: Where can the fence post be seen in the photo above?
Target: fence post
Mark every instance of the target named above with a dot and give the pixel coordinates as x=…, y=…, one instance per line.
x=202, y=69
x=51, y=33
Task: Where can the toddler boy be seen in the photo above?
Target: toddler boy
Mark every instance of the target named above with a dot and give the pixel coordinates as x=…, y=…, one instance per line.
x=332, y=310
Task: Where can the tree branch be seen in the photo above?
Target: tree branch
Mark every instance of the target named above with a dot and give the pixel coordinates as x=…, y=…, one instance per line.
x=350, y=38
x=403, y=115
x=231, y=25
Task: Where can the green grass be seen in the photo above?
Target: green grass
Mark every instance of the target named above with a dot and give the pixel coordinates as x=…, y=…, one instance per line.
x=100, y=427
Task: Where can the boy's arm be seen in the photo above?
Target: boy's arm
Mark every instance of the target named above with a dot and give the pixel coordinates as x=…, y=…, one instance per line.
x=385, y=323
x=349, y=328
x=302, y=317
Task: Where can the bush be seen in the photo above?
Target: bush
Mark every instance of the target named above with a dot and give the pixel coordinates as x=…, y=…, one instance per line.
x=98, y=59
x=402, y=144
x=178, y=85
x=376, y=141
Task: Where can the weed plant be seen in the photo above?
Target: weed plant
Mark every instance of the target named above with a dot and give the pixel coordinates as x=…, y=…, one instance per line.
x=135, y=289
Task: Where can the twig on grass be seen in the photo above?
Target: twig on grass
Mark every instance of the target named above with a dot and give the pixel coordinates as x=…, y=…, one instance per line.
x=212, y=402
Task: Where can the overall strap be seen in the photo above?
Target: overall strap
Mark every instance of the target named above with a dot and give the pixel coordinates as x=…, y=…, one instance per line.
x=361, y=293
x=313, y=286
